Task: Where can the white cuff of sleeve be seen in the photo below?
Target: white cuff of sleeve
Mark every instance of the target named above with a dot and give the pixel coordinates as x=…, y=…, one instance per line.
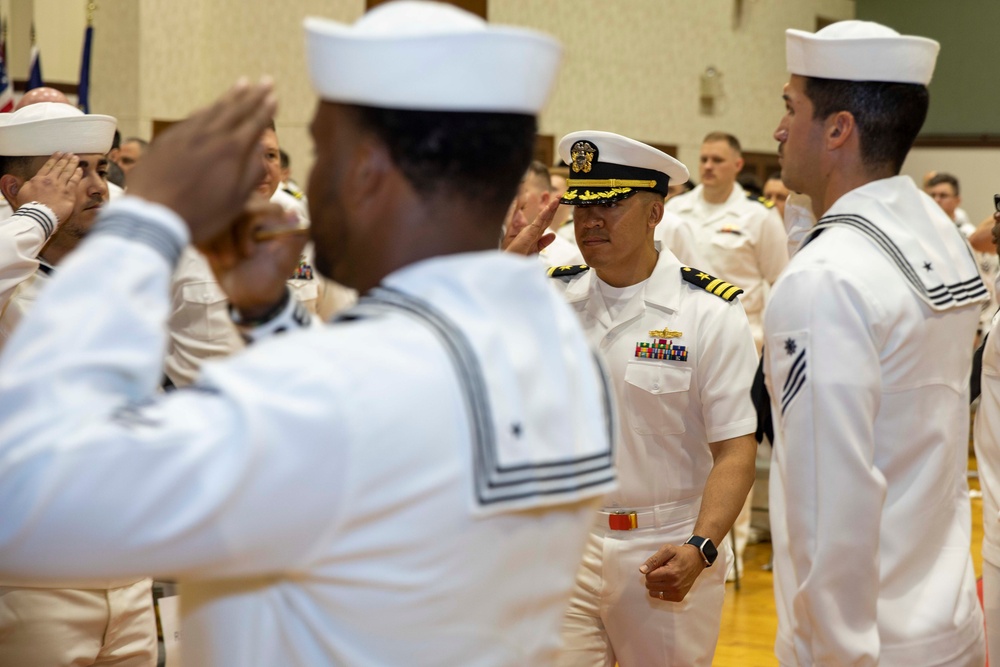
x=41, y=214
x=139, y=220
x=291, y=315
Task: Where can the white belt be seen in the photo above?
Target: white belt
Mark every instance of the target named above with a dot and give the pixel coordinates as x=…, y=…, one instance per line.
x=657, y=516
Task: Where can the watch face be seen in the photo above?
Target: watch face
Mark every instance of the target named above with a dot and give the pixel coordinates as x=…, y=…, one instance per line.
x=706, y=547
x=711, y=553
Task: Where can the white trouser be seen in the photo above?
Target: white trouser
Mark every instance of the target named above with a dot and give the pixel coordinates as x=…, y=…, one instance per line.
x=44, y=627
x=991, y=605
x=611, y=616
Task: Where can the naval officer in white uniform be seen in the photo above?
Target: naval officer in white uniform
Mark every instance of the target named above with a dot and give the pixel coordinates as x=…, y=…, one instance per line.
x=741, y=237
x=681, y=357
x=413, y=485
x=868, y=340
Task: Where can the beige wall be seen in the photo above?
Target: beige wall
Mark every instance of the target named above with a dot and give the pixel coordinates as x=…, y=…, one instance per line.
x=59, y=26
x=631, y=67
x=162, y=59
x=634, y=68
x=977, y=171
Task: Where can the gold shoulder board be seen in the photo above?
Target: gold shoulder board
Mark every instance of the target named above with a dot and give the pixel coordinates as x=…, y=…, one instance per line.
x=716, y=286
x=560, y=271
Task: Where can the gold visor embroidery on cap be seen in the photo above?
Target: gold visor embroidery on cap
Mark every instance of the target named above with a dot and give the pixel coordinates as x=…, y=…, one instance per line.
x=587, y=195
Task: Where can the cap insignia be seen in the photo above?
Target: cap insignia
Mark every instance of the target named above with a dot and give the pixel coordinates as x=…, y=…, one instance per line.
x=581, y=155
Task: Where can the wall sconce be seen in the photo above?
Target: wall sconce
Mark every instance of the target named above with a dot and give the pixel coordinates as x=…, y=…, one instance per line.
x=711, y=89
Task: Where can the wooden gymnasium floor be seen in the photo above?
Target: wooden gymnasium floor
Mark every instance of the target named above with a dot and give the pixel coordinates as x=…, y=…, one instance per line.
x=749, y=622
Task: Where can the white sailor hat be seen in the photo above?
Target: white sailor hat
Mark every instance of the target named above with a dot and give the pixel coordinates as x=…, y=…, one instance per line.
x=47, y=127
x=605, y=167
x=430, y=56
x=861, y=51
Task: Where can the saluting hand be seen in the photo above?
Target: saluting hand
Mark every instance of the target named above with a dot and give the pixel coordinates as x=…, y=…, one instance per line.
x=672, y=571
x=205, y=167
x=253, y=273
x=524, y=238
x=54, y=185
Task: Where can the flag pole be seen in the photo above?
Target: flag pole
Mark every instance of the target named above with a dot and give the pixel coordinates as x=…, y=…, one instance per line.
x=83, y=89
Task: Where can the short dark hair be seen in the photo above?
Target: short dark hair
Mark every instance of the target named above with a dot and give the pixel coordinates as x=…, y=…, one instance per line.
x=479, y=156
x=733, y=142
x=943, y=177
x=539, y=172
x=748, y=181
x=283, y=158
x=23, y=166
x=888, y=115
x=774, y=176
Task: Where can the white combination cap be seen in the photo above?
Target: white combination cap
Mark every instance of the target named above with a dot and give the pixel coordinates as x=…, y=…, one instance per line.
x=429, y=56
x=605, y=167
x=861, y=51
x=47, y=127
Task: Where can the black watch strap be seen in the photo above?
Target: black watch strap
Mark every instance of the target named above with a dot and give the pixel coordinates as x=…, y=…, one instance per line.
x=706, y=547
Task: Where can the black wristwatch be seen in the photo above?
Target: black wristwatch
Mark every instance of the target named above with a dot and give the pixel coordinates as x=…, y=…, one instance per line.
x=705, y=546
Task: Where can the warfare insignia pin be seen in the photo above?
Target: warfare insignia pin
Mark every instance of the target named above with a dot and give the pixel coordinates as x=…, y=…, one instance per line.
x=664, y=333
x=581, y=156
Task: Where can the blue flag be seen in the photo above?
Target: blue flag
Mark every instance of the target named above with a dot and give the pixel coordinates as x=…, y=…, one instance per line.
x=83, y=90
x=6, y=90
x=35, y=78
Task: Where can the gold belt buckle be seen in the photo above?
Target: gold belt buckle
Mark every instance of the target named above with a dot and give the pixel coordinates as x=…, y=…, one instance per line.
x=623, y=521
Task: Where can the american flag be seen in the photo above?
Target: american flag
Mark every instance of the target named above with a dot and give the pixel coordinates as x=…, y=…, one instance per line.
x=6, y=93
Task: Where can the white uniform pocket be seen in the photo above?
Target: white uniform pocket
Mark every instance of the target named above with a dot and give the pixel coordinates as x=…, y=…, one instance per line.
x=656, y=397
x=206, y=315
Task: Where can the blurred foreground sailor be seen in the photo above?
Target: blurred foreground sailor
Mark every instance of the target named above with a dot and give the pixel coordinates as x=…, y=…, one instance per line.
x=681, y=356
x=62, y=621
x=412, y=485
x=868, y=345
x=986, y=434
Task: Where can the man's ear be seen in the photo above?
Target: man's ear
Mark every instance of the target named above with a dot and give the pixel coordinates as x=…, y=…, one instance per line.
x=544, y=199
x=369, y=172
x=839, y=128
x=9, y=187
x=655, y=213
